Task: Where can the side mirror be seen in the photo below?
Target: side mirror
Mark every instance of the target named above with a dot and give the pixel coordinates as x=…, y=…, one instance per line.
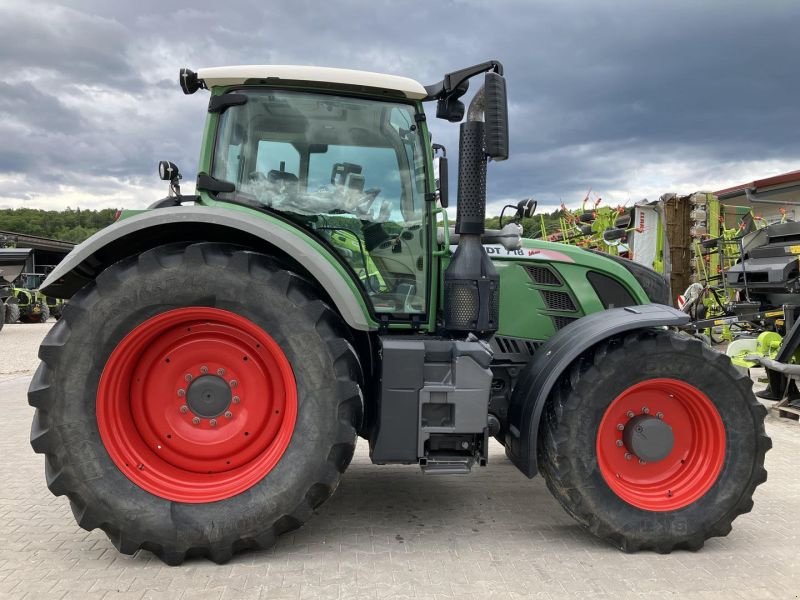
x=526, y=208
x=495, y=116
x=440, y=174
x=168, y=171
x=450, y=107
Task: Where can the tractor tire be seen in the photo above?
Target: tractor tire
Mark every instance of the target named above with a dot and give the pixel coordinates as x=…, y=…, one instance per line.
x=216, y=410
x=45, y=314
x=12, y=311
x=686, y=491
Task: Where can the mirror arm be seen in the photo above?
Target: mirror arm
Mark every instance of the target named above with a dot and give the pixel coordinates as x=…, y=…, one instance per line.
x=452, y=81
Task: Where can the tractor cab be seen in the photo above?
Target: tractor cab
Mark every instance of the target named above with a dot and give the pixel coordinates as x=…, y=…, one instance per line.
x=346, y=166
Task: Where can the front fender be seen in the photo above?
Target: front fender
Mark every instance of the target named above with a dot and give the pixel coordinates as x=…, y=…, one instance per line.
x=198, y=223
x=554, y=357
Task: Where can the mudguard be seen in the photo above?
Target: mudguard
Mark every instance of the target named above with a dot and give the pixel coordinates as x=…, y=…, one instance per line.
x=554, y=357
x=165, y=225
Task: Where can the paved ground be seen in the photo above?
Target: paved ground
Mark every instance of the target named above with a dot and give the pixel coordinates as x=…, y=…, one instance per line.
x=389, y=532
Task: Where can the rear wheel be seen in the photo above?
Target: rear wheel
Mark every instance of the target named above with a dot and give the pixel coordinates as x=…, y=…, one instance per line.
x=216, y=411
x=661, y=456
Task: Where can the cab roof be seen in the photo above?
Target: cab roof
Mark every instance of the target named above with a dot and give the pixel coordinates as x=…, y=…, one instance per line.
x=237, y=75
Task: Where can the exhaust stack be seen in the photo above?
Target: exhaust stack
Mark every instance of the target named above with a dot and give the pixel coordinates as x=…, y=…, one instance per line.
x=471, y=283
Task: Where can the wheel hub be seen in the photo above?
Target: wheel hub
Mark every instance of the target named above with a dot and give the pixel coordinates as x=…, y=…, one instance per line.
x=208, y=396
x=649, y=438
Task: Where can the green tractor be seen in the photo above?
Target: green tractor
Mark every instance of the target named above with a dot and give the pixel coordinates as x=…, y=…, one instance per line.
x=38, y=306
x=31, y=306
x=221, y=352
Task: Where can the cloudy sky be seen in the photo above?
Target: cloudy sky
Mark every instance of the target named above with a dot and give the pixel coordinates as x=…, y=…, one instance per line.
x=630, y=99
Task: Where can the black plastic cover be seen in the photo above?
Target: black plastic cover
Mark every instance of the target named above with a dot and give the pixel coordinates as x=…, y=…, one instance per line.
x=610, y=291
x=218, y=104
x=654, y=284
x=211, y=184
x=471, y=290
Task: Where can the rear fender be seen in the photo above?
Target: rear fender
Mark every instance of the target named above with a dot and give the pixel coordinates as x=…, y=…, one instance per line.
x=261, y=232
x=554, y=357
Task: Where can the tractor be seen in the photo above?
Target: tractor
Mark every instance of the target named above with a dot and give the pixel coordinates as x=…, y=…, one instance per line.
x=48, y=305
x=222, y=351
x=31, y=307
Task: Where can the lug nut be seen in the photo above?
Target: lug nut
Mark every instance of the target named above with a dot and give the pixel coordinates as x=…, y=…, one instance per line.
x=181, y=392
x=213, y=422
x=620, y=426
x=188, y=377
x=619, y=443
x=220, y=372
x=629, y=414
x=645, y=410
x=184, y=409
x=204, y=369
x=235, y=399
x=628, y=456
x=659, y=415
x=228, y=414
x=196, y=420
x=234, y=383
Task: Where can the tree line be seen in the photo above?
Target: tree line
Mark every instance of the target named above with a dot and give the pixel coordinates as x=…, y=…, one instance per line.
x=70, y=225
x=75, y=225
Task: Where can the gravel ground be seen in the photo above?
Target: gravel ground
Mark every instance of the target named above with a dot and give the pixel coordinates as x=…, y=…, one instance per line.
x=390, y=532
x=19, y=344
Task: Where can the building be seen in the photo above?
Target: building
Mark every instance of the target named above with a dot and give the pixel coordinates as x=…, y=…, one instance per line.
x=767, y=196
x=46, y=254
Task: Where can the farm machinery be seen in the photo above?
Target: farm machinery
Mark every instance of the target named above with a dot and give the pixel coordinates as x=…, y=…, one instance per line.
x=313, y=291
x=12, y=263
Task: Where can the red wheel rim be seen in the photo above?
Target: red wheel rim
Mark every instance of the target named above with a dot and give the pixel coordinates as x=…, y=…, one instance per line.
x=160, y=442
x=694, y=462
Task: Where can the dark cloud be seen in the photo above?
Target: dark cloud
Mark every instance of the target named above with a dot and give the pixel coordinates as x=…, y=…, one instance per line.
x=622, y=97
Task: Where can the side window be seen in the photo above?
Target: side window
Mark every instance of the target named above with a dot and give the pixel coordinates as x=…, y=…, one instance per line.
x=270, y=155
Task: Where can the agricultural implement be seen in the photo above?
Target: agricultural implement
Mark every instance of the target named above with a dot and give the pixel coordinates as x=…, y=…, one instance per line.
x=12, y=263
x=313, y=291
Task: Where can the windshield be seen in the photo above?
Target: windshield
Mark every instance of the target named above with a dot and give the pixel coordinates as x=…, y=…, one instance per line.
x=350, y=170
x=315, y=153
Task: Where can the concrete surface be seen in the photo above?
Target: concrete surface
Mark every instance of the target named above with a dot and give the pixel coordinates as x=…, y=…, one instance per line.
x=390, y=532
x=19, y=344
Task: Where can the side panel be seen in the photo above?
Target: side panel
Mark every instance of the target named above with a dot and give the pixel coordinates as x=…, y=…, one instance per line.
x=164, y=225
x=544, y=288
x=555, y=356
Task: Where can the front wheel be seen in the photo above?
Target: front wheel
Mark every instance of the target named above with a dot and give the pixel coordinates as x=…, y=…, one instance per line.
x=12, y=310
x=214, y=409
x=654, y=441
